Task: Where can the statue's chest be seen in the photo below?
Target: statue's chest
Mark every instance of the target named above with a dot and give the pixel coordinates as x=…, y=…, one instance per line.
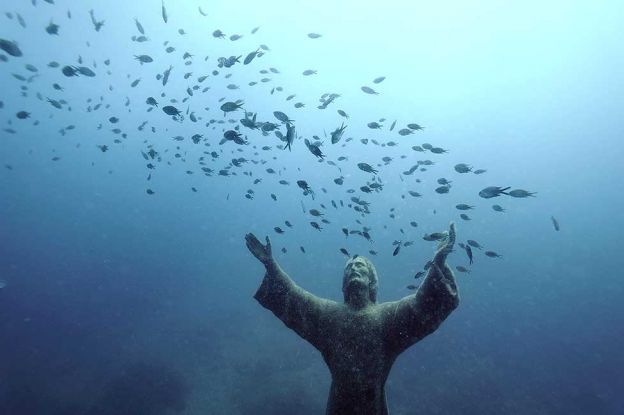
x=355, y=348
x=359, y=333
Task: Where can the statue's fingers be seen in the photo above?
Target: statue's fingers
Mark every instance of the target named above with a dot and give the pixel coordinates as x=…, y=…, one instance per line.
x=452, y=234
x=253, y=244
x=268, y=244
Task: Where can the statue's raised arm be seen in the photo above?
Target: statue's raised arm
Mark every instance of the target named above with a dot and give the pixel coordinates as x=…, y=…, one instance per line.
x=300, y=310
x=418, y=315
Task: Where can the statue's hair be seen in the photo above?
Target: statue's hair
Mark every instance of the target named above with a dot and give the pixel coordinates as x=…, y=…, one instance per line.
x=373, y=280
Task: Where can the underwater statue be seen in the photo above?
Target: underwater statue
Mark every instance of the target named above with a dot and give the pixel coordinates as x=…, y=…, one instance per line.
x=359, y=339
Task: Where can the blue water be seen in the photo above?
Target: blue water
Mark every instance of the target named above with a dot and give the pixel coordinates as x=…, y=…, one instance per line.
x=115, y=301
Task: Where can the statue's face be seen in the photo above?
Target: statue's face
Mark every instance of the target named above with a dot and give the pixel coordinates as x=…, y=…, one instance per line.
x=359, y=275
x=357, y=272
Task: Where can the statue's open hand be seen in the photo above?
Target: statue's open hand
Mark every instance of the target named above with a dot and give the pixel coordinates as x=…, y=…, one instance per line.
x=446, y=247
x=261, y=252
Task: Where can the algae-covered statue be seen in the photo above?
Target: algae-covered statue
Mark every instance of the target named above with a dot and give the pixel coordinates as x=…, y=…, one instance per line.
x=359, y=339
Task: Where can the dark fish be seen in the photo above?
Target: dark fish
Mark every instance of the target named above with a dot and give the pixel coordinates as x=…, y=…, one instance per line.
x=474, y=244
x=336, y=135
x=462, y=269
x=369, y=90
x=314, y=149
x=231, y=106
x=521, y=193
x=468, y=252
x=411, y=287
x=379, y=79
x=83, y=70
x=171, y=110
x=96, y=24
x=419, y=274
x=345, y=252
x=139, y=26
x=436, y=236
x=416, y=127
x=55, y=103
x=10, y=47
x=250, y=57
x=282, y=117
x=164, y=12
x=462, y=168
x=493, y=191
x=314, y=35
x=492, y=254
x=144, y=59
x=20, y=20
x=396, y=250
x=70, y=71
x=52, y=29
x=555, y=223
x=290, y=137
x=315, y=212
x=367, y=168
x=306, y=188
x=232, y=135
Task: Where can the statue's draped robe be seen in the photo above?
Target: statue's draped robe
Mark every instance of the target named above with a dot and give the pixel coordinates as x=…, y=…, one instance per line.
x=360, y=346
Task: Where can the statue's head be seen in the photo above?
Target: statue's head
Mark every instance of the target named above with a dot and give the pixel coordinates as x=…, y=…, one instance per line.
x=359, y=273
